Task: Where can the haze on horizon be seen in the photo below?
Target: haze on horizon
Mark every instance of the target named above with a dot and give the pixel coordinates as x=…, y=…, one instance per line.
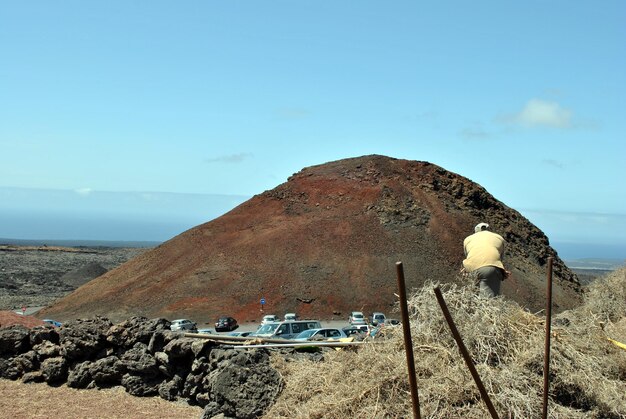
x=157, y=217
x=125, y=121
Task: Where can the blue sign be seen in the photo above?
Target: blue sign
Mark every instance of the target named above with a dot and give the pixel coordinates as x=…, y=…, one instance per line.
x=262, y=301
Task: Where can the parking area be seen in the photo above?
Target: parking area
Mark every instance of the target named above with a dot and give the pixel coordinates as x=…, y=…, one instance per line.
x=251, y=327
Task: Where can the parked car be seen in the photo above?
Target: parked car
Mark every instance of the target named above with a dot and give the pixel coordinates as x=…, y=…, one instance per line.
x=52, y=322
x=377, y=319
x=183, y=324
x=357, y=329
x=225, y=324
x=320, y=334
x=270, y=318
x=357, y=317
x=291, y=317
x=205, y=331
x=241, y=334
x=350, y=330
x=287, y=329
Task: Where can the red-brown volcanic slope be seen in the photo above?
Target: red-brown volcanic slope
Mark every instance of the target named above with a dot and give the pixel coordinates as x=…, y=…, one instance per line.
x=9, y=318
x=325, y=242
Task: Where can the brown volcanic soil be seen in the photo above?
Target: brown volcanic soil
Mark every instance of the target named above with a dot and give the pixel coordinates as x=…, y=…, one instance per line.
x=9, y=318
x=325, y=242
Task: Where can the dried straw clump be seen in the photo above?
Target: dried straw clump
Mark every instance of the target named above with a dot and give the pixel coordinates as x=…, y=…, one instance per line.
x=606, y=297
x=588, y=373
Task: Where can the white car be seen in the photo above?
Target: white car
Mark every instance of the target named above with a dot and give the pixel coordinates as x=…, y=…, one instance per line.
x=357, y=317
x=320, y=334
x=270, y=318
x=183, y=324
x=291, y=317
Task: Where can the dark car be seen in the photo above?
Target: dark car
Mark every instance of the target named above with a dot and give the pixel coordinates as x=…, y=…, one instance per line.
x=241, y=334
x=225, y=324
x=356, y=330
x=376, y=319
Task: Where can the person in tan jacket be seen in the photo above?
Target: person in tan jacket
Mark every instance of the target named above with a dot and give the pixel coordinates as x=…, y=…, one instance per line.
x=483, y=259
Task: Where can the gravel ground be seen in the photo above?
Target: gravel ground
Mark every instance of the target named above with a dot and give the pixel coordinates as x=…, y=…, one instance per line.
x=31, y=401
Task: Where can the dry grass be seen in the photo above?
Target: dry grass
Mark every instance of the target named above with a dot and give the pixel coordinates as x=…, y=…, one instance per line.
x=36, y=401
x=588, y=373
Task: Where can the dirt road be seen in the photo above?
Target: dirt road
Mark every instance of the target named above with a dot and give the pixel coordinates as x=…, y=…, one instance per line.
x=32, y=401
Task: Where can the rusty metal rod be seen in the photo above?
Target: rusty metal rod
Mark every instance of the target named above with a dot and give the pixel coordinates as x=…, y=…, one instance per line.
x=466, y=356
x=546, y=356
x=408, y=342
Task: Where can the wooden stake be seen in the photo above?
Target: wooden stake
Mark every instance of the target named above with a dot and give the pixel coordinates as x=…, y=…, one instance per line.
x=546, y=356
x=408, y=343
x=466, y=356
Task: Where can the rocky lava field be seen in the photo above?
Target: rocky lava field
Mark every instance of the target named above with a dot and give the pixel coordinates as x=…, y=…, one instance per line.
x=35, y=276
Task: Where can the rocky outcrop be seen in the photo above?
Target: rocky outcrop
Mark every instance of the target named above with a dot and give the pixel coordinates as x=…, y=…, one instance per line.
x=83, y=339
x=241, y=384
x=145, y=358
x=14, y=340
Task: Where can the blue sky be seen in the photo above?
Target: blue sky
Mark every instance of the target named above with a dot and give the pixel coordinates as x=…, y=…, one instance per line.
x=107, y=103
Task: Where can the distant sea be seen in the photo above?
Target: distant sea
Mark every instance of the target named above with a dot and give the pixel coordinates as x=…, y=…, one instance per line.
x=570, y=251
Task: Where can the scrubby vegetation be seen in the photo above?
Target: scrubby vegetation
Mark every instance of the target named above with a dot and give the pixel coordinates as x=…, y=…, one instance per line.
x=587, y=371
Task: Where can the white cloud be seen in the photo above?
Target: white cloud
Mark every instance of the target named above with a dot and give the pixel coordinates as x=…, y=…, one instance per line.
x=424, y=116
x=231, y=158
x=83, y=191
x=541, y=113
x=553, y=163
x=475, y=133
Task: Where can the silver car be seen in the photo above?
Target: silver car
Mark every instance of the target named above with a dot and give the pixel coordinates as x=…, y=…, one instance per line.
x=270, y=318
x=357, y=317
x=285, y=330
x=320, y=334
x=183, y=324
